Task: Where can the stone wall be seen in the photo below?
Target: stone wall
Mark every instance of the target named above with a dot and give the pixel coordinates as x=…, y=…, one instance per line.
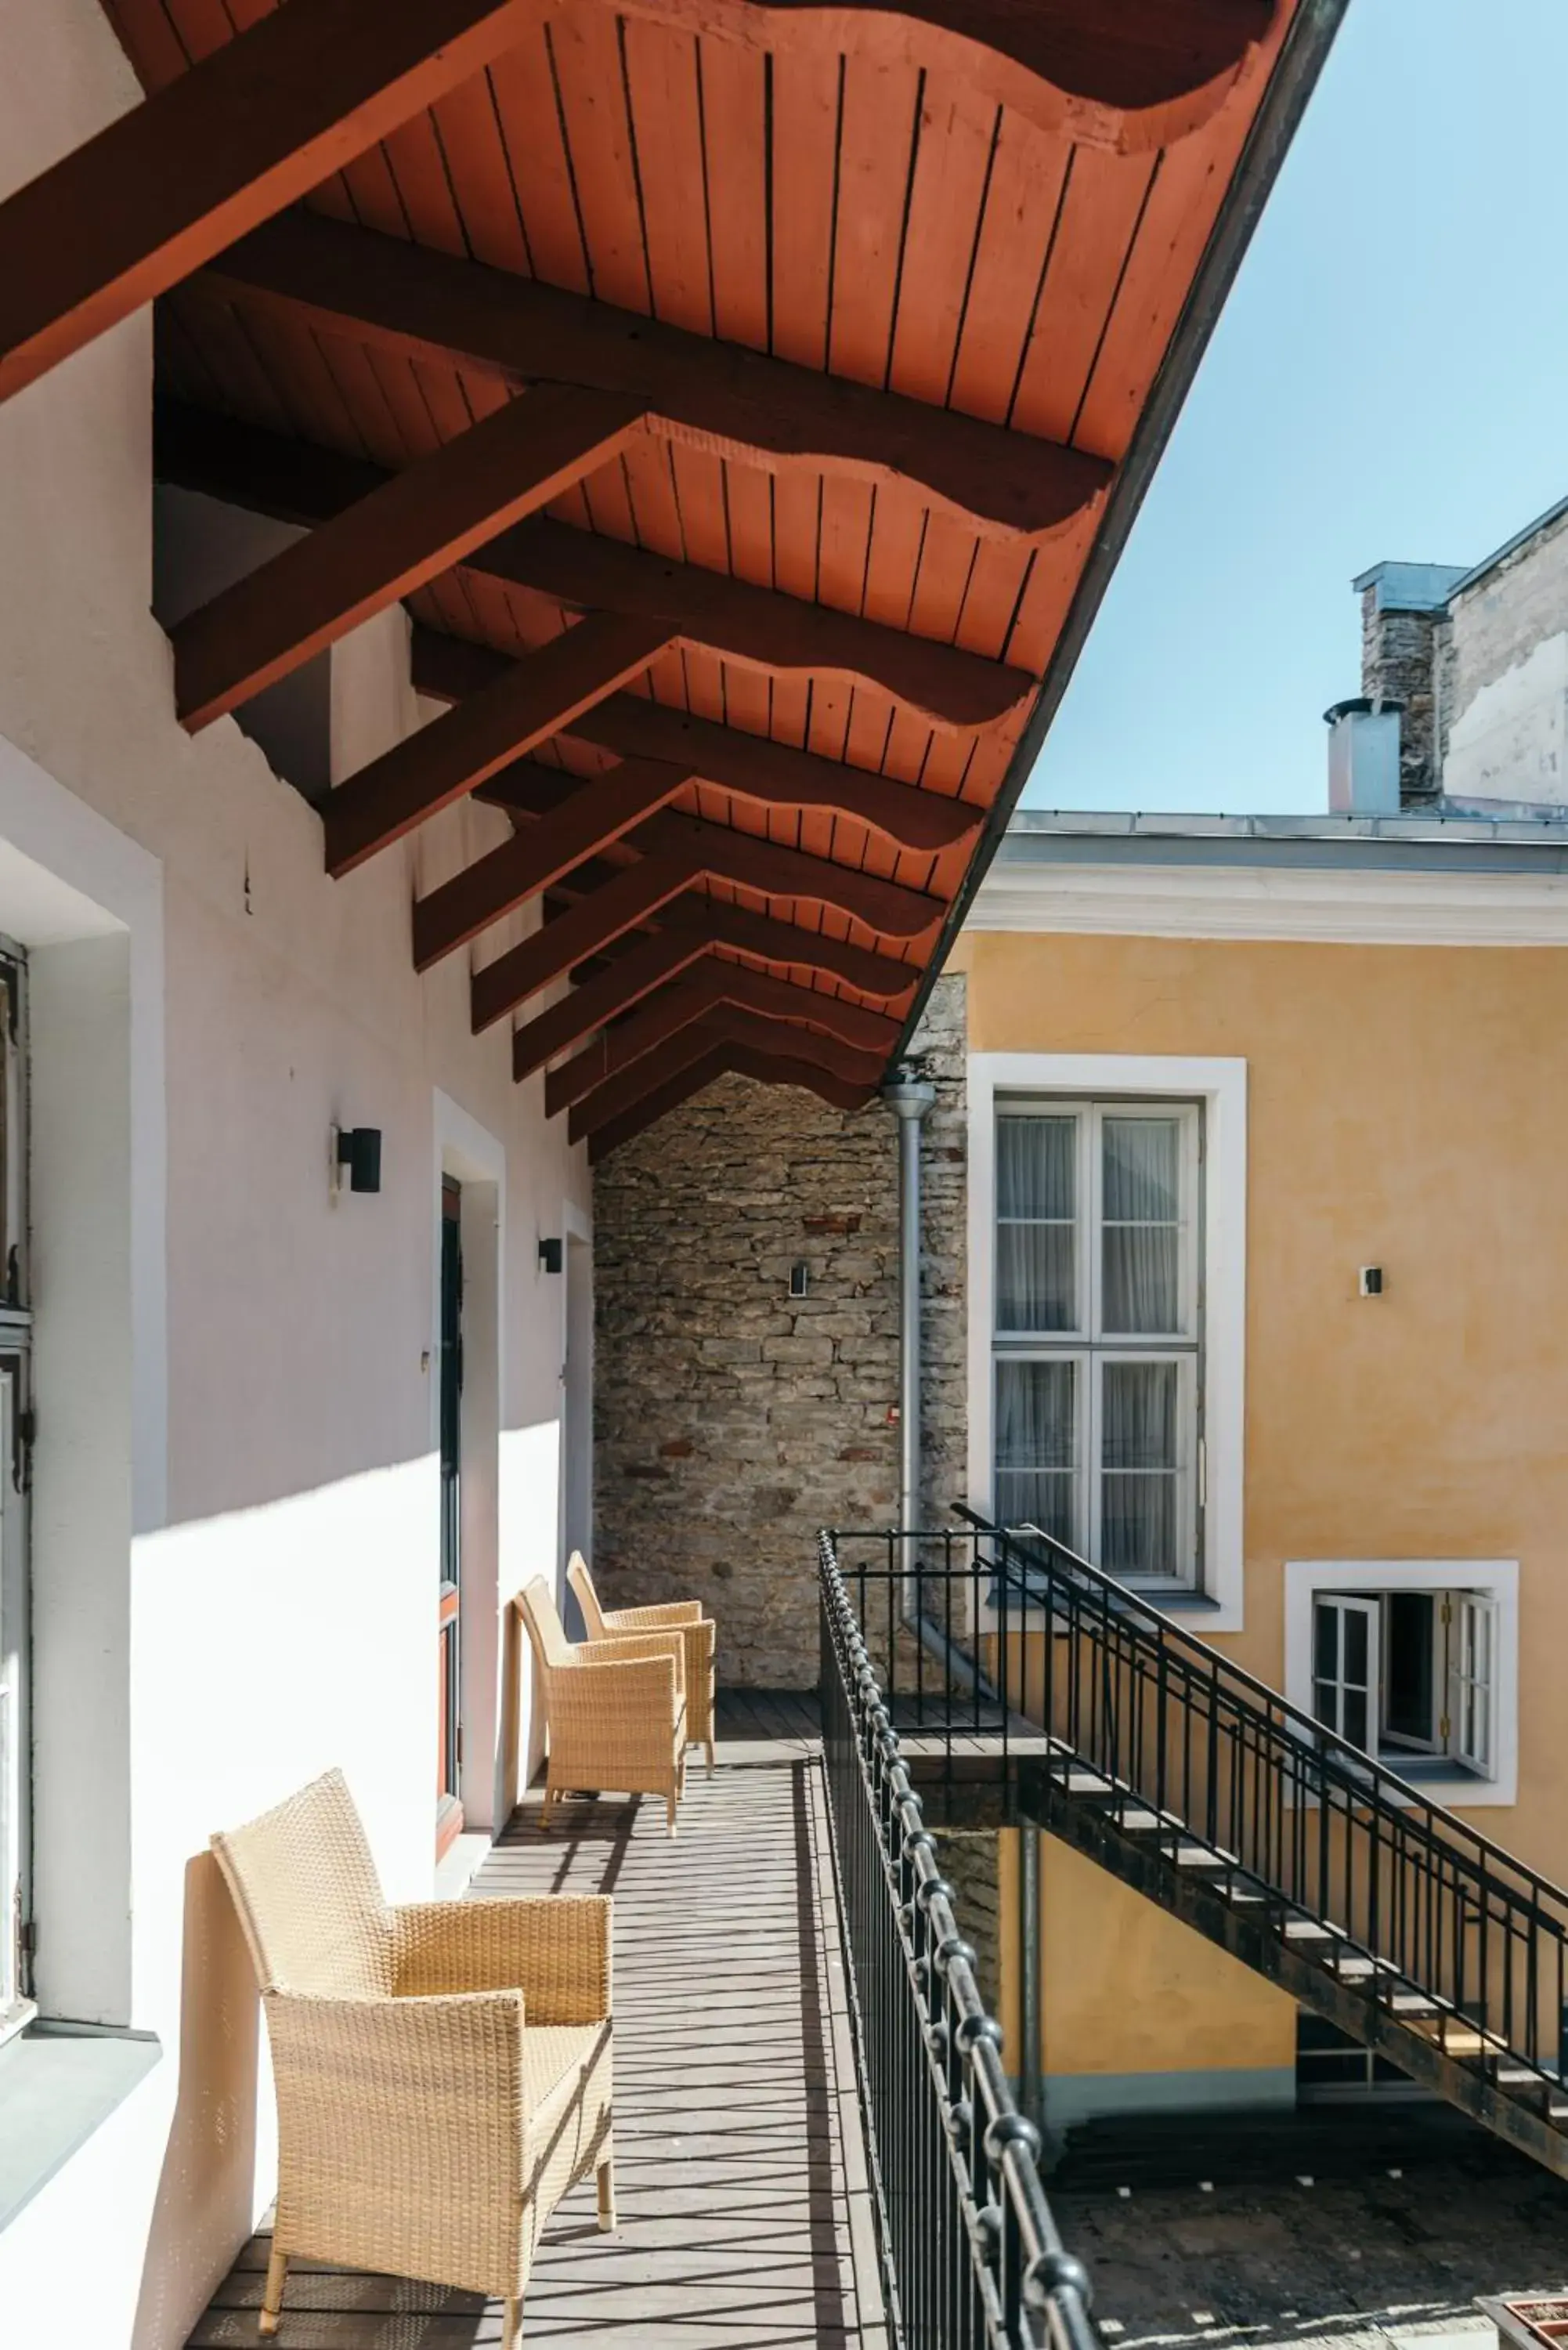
x=731, y=1419
x=1398, y=649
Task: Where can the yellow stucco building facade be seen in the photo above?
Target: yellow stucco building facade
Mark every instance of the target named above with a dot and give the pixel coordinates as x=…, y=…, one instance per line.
x=1365, y=1028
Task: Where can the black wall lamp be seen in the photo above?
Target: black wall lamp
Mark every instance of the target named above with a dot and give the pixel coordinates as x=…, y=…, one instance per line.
x=550, y=1257
x=358, y=1149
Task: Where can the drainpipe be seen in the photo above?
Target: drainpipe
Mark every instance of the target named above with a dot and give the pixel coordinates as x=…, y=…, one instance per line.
x=909, y=1098
x=1029, y=1971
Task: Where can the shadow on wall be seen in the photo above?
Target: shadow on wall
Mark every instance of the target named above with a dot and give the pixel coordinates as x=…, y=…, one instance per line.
x=207, y=2184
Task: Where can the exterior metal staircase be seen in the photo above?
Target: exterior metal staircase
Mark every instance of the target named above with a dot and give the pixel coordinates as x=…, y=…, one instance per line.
x=1312, y=1862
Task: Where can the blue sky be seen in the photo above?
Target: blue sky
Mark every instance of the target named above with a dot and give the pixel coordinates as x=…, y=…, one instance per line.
x=1389, y=378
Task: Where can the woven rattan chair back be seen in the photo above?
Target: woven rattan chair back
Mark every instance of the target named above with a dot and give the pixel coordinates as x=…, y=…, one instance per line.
x=545, y=1629
x=582, y=1582
x=305, y=1885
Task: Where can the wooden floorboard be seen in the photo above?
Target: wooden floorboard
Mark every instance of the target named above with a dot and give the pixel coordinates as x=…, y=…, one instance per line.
x=744, y=2202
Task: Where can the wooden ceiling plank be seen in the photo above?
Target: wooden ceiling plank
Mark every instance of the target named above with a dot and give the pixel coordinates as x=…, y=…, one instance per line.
x=418, y=522
x=947, y=195
x=736, y=149
x=1100, y=211
x=659, y=1103
x=661, y=73
x=167, y=186
x=530, y=120
x=777, y=414
x=414, y=159
x=651, y=496
x=632, y=976
x=590, y=82
x=805, y=86
x=443, y=761
x=1022, y=206
x=149, y=41
x=595, y=813
x=878, y=136
x=481, y=186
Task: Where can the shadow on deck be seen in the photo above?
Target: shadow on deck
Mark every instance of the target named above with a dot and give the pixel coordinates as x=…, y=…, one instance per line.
x=743, y=2204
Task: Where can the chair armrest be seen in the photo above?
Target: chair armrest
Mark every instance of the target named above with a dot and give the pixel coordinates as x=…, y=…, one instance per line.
x=654, y=1619
x=360, y=2080
x=632, y=1647
x=554, y=1951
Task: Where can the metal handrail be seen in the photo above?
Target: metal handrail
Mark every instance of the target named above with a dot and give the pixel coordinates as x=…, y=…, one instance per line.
x=1331, y=1829
x=970, y=2250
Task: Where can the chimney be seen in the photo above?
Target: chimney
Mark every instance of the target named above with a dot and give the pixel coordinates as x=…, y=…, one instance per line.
x=1363, y=756
x=1404, y=610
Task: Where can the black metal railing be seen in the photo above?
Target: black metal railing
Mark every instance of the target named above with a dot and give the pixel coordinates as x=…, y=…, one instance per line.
x=971, y=2252
x=1328, y=1830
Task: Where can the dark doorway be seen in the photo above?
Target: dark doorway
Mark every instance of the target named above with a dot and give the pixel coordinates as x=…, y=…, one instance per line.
x=448, y=1762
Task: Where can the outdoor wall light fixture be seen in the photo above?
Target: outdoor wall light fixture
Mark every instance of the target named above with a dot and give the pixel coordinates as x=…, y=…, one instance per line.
x=356, y=1149
x=1372, y=1281
x=799, y=1280
x=550, y=1256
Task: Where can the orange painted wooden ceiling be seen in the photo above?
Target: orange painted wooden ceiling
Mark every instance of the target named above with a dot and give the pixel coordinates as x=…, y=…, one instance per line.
x=864, y=218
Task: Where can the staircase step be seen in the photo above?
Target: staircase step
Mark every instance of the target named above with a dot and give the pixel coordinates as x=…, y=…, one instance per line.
x=1518, y=2076
x=1312, y=1930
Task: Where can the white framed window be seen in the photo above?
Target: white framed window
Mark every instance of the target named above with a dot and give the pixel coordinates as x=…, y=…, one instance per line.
x=1108, y=1311
x=1416, y=1662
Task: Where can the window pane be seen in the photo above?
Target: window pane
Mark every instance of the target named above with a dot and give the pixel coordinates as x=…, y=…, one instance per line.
x=1036, y=1234
x=1036, y=1277
x=1139, y=1459
x=1037, y=1445
x=1139, y=1532
x=1355, y=1715
x=1142, y=1169
x=1326, y=1645
x=1142, y=1290
x=1142, y=1417
x=1355, y=1648
x=1325, y=1694
x=1037, y=1167
x=1141, y=1210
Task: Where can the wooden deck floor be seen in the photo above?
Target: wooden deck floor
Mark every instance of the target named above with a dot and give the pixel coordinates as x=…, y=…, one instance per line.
x=744, y=2205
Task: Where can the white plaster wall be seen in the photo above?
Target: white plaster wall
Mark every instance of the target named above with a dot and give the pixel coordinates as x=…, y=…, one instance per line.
x=1505, y=680
x=264, y=1559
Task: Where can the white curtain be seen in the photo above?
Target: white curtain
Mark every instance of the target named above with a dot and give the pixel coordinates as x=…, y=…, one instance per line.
x=1140, y=1425
x=1036, y=1223
x=1037, y=1446
x=1141, y=1194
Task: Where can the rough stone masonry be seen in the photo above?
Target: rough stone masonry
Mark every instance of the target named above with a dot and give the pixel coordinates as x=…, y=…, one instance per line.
x=733, y=1421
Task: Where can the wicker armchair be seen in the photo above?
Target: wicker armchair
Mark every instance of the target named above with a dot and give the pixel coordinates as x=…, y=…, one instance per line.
x=682, y=1615
x=615, y=1708
x=443, y=2069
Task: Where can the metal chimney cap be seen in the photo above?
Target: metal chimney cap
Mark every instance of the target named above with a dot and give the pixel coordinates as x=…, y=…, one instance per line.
x=1362, y=705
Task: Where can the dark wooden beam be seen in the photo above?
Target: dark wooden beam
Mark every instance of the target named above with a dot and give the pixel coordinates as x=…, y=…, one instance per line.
x=781, y=635
x=775, y=775
x=535, y=700
x=598, y=809
x=401, y=297
x=712, y=983
x=679, y=852
x=254, y=125
x=296, y=482
x=688, y=927
x=416, y=524
x=726, y=1025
